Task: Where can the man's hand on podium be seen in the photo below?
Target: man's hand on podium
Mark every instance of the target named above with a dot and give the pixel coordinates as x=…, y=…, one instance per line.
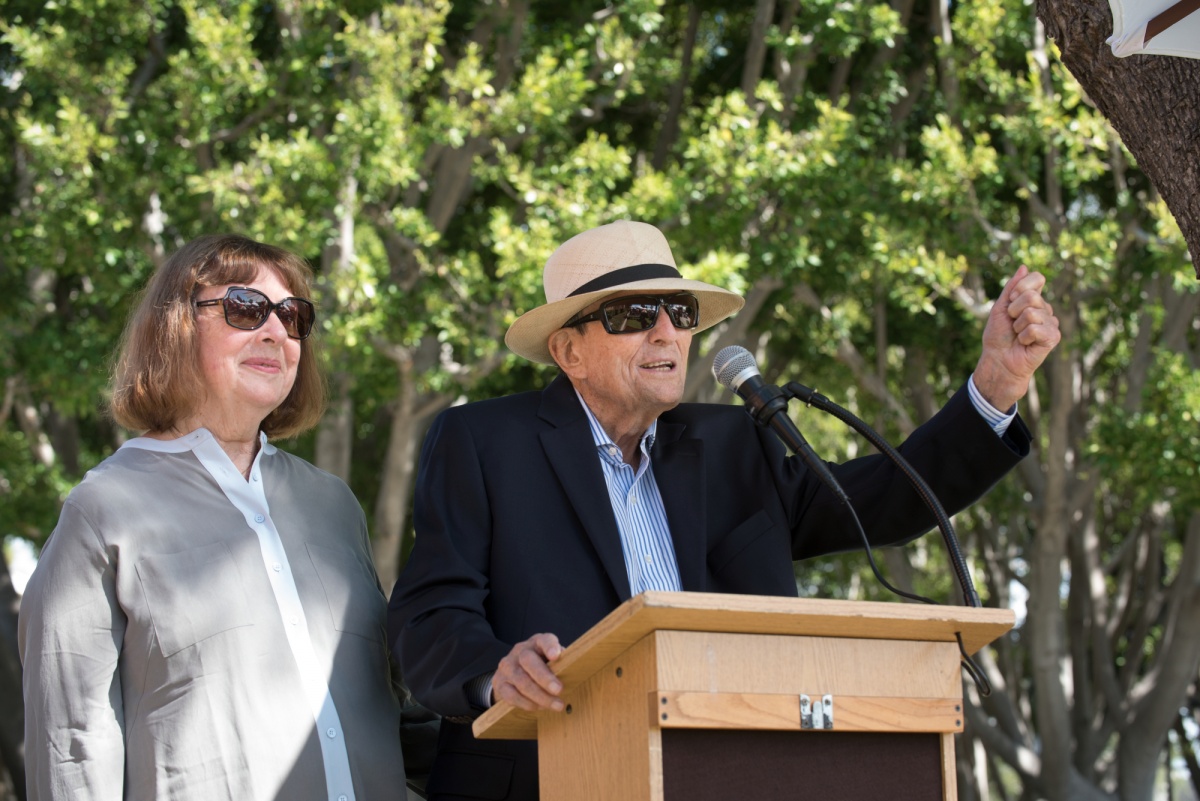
x=523, y=677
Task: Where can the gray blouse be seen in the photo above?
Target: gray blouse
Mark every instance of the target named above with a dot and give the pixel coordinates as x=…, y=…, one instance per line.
x=189, y=634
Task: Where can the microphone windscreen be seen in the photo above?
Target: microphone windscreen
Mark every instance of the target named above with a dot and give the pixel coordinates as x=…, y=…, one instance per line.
x=730, y=363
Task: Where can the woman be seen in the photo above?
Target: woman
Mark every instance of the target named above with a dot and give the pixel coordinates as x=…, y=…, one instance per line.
x=205, y=621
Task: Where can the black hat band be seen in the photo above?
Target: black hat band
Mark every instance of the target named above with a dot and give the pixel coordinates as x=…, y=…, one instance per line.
x=627, y=275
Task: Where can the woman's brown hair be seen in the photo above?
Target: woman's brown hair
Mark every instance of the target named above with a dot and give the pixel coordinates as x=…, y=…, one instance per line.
x=157, y=380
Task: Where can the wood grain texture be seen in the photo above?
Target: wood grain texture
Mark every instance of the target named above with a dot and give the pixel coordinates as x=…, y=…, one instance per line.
x=605, y=747
x=751, y=614
x=702, y=661
x=775, y=712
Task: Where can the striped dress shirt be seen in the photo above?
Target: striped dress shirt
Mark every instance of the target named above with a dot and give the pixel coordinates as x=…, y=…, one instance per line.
x=641, y=519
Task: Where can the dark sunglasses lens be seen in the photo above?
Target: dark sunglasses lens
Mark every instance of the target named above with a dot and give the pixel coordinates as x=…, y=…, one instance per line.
x=683, y=311
x=627, y=315
x=246, y=308
x=297, y=317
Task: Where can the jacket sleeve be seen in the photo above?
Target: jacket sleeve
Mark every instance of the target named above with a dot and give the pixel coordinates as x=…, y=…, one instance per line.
x=957, y=454
x=437, y=622
x=70, y=632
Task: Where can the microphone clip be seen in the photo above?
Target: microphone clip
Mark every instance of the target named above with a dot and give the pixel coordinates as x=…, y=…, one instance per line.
x=764, y=401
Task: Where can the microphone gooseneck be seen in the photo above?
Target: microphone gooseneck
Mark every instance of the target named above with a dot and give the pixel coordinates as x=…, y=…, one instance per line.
x=735, y=368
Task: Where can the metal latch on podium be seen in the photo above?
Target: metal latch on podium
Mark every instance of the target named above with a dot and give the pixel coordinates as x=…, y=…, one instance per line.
x=816, y=714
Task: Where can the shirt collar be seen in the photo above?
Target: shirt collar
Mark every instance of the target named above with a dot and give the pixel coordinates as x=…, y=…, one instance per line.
x=608, y=449
x=189, y=442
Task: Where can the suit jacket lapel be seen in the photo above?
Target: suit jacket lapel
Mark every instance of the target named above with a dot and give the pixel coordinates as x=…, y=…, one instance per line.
x=679, y=472
x=572, y=454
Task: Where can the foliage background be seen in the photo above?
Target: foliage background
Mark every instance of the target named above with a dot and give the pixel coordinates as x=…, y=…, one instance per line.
x=866, y=173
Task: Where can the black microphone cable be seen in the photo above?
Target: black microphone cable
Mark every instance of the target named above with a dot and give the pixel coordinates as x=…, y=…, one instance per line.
x=813, y=398
x=736, y=369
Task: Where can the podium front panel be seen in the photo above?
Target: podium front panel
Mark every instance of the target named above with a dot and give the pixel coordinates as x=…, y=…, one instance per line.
x=703, y=764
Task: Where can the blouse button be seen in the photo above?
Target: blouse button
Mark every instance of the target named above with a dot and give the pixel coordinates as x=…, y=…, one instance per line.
x=259, y=518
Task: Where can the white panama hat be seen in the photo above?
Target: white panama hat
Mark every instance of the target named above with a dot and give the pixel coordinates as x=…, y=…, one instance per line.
x=618, y=257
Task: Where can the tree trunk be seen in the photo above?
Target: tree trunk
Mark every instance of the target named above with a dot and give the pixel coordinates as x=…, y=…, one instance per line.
x=756, y=49
x=30, y=423
x=335, y=436
x=1047, y=635
x=1162, y=690
x=395, y=479
x=1150, y=100
x=1188, y=751
x=670, y=127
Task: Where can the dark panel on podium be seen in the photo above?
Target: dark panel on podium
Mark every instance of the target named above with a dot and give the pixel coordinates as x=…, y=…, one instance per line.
x=711, y=764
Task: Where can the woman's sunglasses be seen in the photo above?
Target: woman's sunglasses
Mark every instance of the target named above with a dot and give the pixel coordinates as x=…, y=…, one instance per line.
x=634, y=313
x=247, y=309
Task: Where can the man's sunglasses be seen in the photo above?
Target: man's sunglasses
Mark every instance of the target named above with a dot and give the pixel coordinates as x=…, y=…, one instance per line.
x=247, y=309
x=634, y=313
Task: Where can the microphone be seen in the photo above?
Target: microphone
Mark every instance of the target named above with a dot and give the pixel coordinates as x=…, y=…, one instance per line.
x=734, y=368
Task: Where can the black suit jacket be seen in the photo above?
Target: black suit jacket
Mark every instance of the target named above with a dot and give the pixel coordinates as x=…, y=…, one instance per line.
x=515, y=536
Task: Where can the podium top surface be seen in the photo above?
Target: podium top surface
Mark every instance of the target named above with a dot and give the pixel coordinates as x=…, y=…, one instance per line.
x=753, y=614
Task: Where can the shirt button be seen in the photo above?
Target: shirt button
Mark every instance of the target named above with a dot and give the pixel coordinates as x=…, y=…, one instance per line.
x=295, y=620
x=649, y=559
x=255, y=476
x=343, y=798
x=277, y=567
x=259, y=518
x=331, y=732
x=633, y=499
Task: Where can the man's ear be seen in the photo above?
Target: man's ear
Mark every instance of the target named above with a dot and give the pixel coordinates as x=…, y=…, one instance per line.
x=564, y=346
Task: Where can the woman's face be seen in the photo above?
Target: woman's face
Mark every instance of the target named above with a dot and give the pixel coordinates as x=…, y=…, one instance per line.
x=247, y=373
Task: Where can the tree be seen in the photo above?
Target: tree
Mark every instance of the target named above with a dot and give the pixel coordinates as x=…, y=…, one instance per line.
x=1150, y=100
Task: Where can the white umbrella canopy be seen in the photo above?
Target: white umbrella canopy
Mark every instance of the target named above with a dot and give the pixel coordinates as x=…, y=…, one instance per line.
x=1155, y=27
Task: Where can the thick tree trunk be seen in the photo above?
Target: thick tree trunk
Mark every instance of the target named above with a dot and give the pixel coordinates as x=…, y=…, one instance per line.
x=1150, y=100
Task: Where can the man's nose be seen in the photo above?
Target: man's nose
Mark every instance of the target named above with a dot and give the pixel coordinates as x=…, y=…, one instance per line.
x=663, y=327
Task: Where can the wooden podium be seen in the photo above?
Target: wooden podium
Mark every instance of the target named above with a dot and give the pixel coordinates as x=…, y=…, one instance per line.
x=697, y=696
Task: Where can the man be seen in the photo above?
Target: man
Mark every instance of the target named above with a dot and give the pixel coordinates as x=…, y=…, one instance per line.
x=537, y=514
